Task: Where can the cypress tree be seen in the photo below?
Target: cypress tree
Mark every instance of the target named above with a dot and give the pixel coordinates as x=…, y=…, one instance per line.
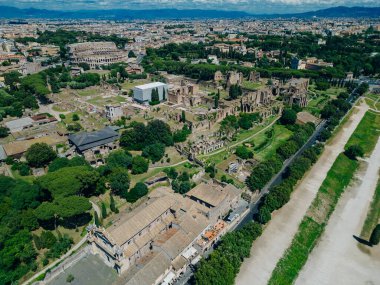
x=96, y=219
x=216, y=100
x=113, y=206
x=104, y=211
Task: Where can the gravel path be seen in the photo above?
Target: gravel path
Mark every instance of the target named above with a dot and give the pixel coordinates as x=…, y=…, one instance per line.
x=277, y=236
x=337, y=258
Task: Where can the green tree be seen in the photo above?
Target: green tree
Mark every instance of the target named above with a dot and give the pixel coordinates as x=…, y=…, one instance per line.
x=183, y=116
x=154, y=152
x=137, y=192
x=288, y=117
x=12, y=78
x=4, y=132
x=119, y=182
x=47, y=239
x=96, y=219
x=104, y=211
x=155, y=96
x=75, y=117
x=375, y=236
x=354, y=151
x=235, y=91
x=264, y=215
x=119, y=158
x=39, y=154
x=229, y=125
x=243, y=152
x=113, y=205
x=131, y=54
x=139, y=165
x=216, y=99
x=70, y=278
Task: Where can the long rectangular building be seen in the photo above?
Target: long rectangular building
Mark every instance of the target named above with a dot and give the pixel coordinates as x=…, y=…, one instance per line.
x=143, y=93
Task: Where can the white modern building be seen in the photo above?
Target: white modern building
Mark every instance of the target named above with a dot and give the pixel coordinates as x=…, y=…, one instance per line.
x=143, y=93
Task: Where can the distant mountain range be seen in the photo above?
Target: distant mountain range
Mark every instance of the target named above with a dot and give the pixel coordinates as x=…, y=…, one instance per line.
x=123, y=14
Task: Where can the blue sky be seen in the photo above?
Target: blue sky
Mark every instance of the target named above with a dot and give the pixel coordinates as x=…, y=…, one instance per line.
x=252, y=6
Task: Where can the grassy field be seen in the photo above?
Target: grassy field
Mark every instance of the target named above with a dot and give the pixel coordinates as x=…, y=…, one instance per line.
x=319, y=212
x=373, y=214
x=88, y=92
x=130, y=84
x=367, y=132
x=281, y=135
x=101, y=101
x=251, y=85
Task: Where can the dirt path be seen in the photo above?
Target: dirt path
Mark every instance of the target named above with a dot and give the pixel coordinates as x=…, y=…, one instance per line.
x=337, y=258
x=277, y=236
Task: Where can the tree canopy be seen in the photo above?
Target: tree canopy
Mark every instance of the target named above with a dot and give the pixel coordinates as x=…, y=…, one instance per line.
x=40, y=154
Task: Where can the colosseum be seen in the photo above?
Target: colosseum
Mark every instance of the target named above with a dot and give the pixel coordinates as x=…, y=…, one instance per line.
x=96, y=53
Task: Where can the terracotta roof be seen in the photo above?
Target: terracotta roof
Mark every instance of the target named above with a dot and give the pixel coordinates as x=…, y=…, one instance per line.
x=151, y=271
x=211, y=194
x=125, y=230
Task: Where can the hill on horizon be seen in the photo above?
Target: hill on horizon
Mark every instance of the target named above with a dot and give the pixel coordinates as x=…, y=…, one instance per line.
x=8, y=12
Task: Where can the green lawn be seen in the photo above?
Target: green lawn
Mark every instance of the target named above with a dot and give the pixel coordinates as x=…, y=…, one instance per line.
x=319, y=212
x=100, y=101
x=251, y=85
x=281, y=135
x=88, y=92
x=367, y=132
x=130, y=84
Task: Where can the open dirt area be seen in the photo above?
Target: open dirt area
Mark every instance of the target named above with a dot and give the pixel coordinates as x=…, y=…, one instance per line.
x=277, y=236
x=337, y=259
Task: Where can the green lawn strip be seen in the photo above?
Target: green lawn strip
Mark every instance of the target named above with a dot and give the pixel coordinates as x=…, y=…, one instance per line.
x=373, y=214
x=281, y=135
x=313, y=224
x=296, y=256
x=367, y=132
x=337, y=179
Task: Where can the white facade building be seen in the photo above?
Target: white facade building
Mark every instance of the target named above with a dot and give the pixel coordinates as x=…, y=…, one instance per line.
x=143, y=93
